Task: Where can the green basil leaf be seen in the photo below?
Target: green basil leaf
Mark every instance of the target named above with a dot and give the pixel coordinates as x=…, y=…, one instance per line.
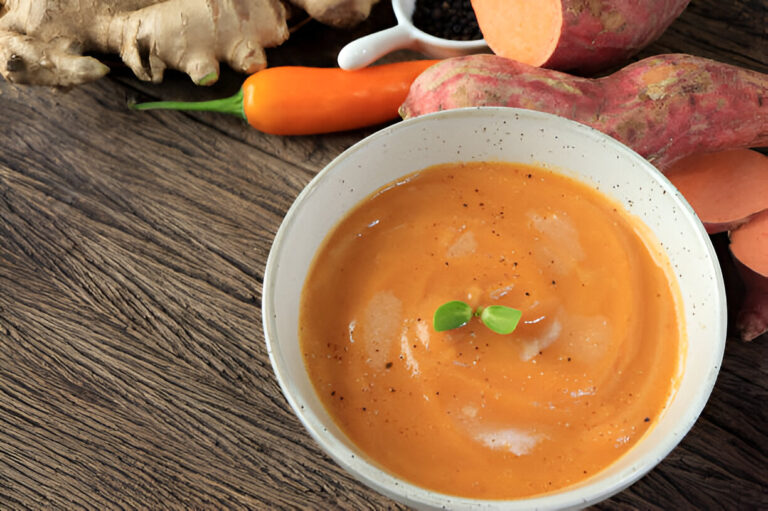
x=451, y=315
x=502, y=320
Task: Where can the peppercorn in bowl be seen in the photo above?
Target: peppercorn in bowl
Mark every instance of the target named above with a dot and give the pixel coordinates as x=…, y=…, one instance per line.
x=438, y=29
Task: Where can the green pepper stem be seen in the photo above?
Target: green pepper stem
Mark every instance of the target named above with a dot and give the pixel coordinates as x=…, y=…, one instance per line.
x=231, y=105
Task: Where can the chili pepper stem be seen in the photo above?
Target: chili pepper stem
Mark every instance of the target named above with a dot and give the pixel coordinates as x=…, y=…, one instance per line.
x=231, y=105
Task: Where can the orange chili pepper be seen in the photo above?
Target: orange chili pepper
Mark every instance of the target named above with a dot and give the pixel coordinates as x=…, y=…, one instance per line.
x=294, y=100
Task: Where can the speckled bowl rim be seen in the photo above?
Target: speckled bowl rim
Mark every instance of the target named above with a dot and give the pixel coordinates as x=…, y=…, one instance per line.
x=596, y=488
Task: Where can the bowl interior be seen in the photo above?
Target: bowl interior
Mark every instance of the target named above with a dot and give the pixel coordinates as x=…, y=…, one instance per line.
x=508, y=135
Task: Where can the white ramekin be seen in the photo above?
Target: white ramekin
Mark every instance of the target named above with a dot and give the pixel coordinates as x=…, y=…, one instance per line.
x=403, y=36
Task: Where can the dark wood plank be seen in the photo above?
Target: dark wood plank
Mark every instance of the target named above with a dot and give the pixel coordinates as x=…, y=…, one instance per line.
x=731, y=32
x=133, y=372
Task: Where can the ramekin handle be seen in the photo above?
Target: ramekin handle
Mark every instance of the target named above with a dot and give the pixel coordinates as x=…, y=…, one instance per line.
x=361, y=52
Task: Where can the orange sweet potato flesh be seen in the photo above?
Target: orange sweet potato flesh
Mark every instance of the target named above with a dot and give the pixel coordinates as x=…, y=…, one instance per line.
x=749, y=244
x=725, y=188
x=729, y=192
x=584, y=35
x=664, y=107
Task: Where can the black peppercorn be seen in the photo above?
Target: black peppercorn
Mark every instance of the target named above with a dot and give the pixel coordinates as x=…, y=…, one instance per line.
x=448, y=19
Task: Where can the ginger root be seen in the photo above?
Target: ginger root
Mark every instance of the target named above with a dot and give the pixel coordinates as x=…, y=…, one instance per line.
x=42, y=41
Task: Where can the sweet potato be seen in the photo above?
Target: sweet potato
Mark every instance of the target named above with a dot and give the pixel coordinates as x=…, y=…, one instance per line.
x=664, y=107
x=724, y=188
x=749, y=244
x=573, y=34
x=729, y=192
x=752, y=320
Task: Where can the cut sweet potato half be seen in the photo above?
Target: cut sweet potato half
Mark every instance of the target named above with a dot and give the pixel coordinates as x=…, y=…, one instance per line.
x=573, y=34
x=752, y=321
x=524, y=31
x=725, y=188
x=749, y=244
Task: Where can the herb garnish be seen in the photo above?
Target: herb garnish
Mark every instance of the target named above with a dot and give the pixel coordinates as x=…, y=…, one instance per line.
x=454, y=314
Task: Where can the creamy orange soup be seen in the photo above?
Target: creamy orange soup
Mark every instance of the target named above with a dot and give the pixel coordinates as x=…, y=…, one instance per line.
x=470, y=412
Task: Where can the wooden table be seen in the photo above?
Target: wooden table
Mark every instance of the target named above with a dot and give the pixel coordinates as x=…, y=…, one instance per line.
x=133, y=372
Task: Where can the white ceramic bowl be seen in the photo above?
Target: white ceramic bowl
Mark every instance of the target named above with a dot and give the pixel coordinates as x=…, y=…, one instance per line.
x=403, y=36
x=509, y=135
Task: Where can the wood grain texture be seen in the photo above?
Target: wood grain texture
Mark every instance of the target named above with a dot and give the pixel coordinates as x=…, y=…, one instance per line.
x=133, y=372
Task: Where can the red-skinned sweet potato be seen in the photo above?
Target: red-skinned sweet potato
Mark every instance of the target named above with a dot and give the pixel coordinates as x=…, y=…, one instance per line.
x=749, y=244
x=579, y=35
x=752, y=320
x=664, y=107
